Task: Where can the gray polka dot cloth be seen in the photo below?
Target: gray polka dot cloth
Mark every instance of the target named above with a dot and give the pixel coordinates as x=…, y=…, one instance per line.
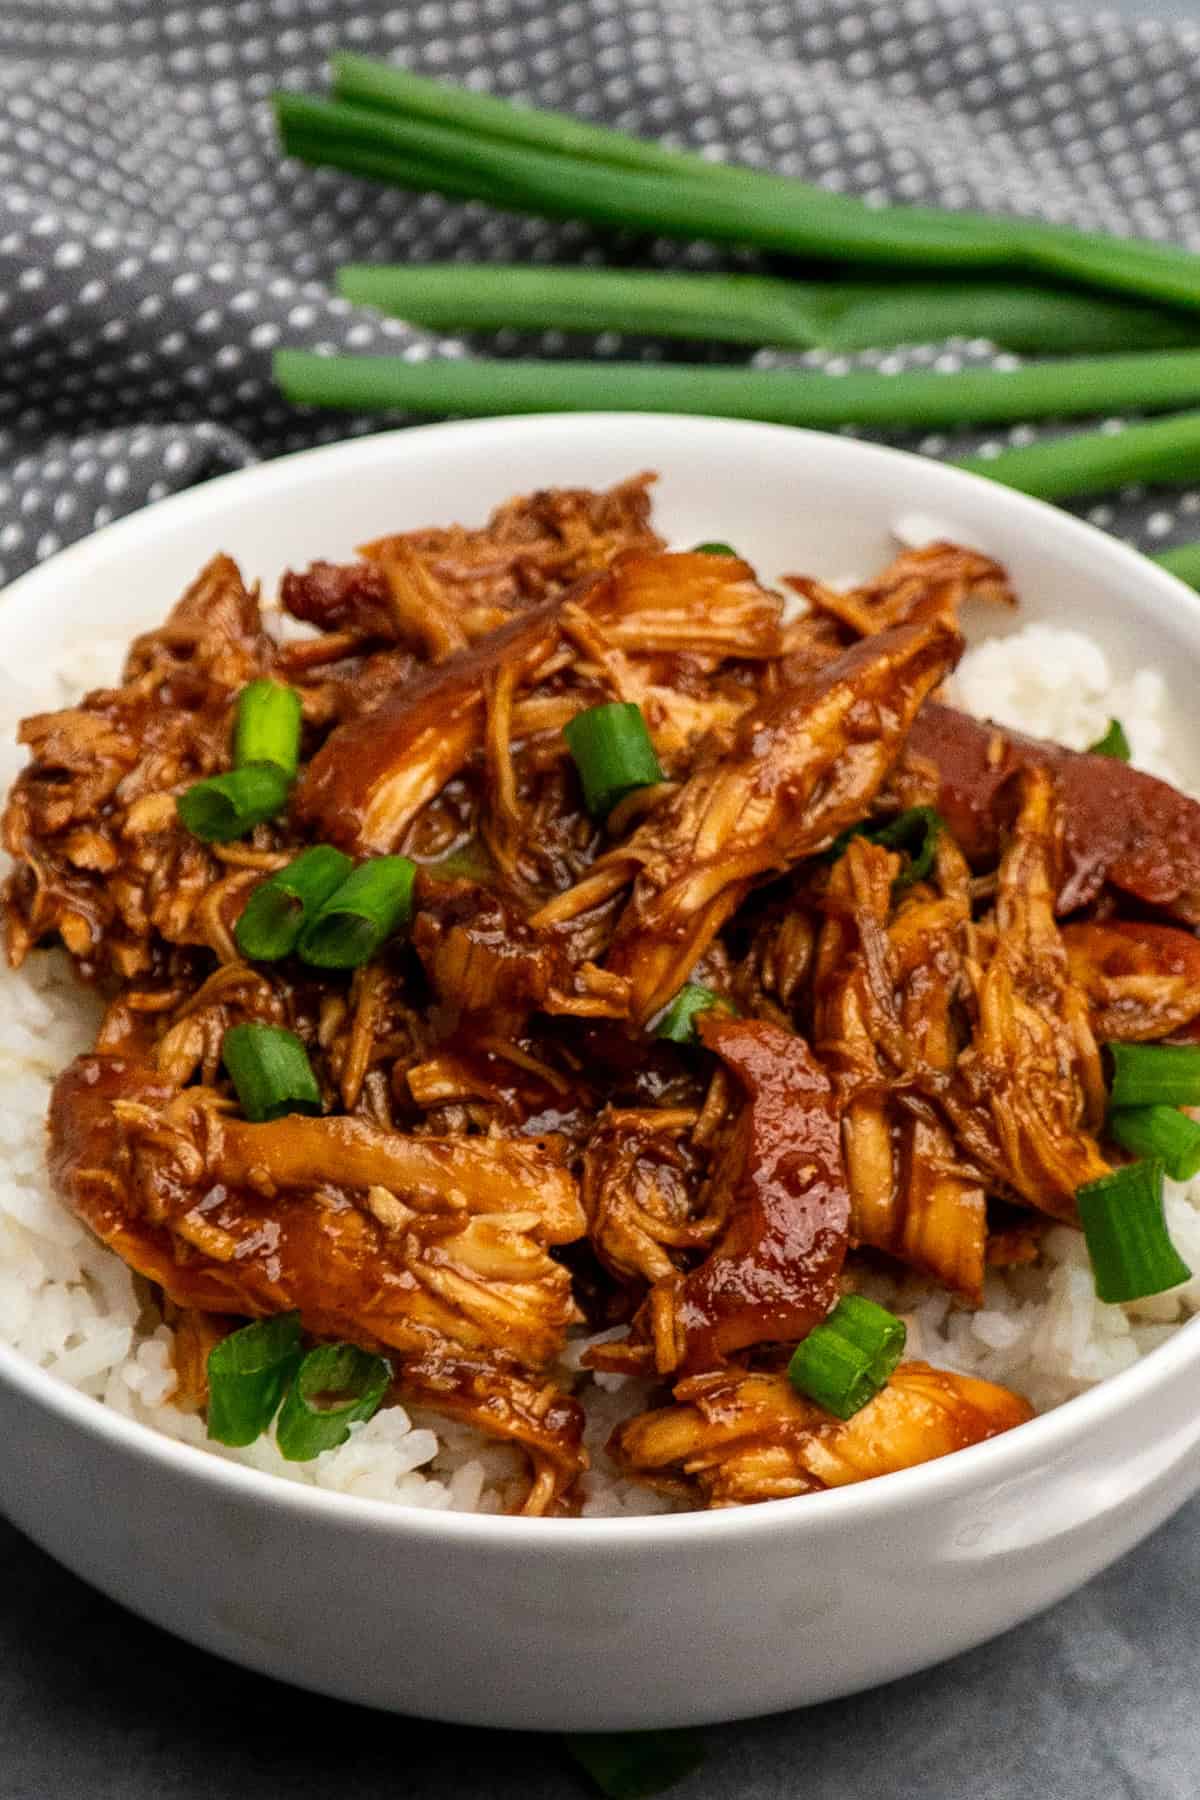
x=155, y=247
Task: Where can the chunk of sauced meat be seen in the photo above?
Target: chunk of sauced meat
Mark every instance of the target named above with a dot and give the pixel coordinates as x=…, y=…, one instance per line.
x=937, y=576
x=101, y=857
x=1029, y=1091
x=624, y=631
x=735, y=1437
x=886, y=988
x=1142, y=981
x=395, y=1242
x=779, y=1194
x=804, y=765
x=500, y=1398
x=1120, y=827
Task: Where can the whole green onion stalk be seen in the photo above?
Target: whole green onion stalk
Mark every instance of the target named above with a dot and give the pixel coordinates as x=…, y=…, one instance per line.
x=762, y=309
x=389, y=125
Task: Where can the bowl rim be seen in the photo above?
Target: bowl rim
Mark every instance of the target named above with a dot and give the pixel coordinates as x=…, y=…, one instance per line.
x=1040, y=1440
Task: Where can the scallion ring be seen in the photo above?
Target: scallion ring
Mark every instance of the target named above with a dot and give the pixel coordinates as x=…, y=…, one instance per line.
x=374, y=901
x=678, y=1022
x=613, y=753
x=278, y=910
x=335, y=1387
x=845, y=1361
x=1114, y=743
x=1122, y=1218
x=1161, y=1132
x=228, y=806
x=915, y=831
x=248, y=1375
x=631, y=1765
x=267, y=726
x=270, y=1070
x=713, y=549
x=1154, y=1075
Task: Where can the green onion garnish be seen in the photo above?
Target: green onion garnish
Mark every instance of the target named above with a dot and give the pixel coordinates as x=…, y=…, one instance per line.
x=1162, y=1133
x=374, y=901
x=276, y=913
x=1154, y=1075
x=270, y=1069
x=844, y=1362
x=1122, y=1219
x=336, y=1386
x=267, y=726
x=248, y=1375
x=876, y=1331
x=631, y=1765
x=1114, y=743
x=228, y=806
x=915, y=831
x=613, y=753
x=713, y=550
x=678, y=1022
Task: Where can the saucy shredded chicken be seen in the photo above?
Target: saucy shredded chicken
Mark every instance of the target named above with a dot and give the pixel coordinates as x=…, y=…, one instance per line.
x=509, y=1146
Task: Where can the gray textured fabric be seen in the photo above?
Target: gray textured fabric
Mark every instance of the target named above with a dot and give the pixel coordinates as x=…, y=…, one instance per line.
x=154, y=247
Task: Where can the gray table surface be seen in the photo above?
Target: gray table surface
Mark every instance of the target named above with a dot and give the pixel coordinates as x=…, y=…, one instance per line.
x=1096, y=1700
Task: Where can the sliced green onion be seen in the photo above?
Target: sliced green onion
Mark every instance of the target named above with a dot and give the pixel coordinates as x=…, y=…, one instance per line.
x=1114, y=743
x=915, y=831
x=230, y=805
x=713, y=550
x=834, y=1371
x=1183, y=562
x=613, y=753
x=270, y=1069
x=1161, y=1132
x=876, y=1331
x=1122, y=1219
x=1154, y=1075
x=267, y=726
x=372, y=903
x=248, y=1375
x=336, y=1386
x=845, y=1361
x=632, y=1765
x=678, y=1022
x=276, y=913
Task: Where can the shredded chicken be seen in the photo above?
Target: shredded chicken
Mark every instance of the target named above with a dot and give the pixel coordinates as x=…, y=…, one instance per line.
x=896, y=1064
x=741, y=1437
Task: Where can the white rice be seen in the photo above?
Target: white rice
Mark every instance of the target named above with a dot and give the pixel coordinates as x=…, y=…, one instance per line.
x=73, y=1308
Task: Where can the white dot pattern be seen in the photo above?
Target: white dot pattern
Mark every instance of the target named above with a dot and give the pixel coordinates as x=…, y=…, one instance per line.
x=155, y=247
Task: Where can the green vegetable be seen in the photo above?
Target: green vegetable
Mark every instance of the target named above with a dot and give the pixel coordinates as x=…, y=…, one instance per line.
x=713, y=550
x=761, y=309
x=275, y=914
x=1154, y=1075
x=248, y=1374
x=230, y=805
x=631, y=1765
x=1166, y=451
x=844, y=1362
x=374, y=901
x=1122, y=1219
x=915, y=831
x=1183, y=562
x=270, y=1069
x=1162, y=1133
x=1146, y=381
x=391, y=125
x=613, y=753
x=267, y=727
x=678, y=1022
x=1114, y=743
x=335, y=1387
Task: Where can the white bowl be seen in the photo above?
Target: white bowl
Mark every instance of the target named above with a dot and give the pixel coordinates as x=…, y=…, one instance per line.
x=606, y=1623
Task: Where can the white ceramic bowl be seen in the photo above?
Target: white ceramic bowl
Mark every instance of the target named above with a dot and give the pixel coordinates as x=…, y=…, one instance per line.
x=605, y=1624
